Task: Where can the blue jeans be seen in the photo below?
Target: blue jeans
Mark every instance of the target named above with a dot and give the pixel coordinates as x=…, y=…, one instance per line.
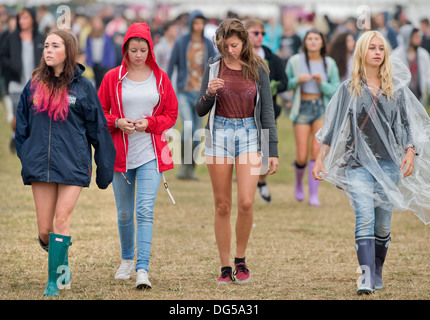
x=147, y=179
x=187, y=110
x=372, y=208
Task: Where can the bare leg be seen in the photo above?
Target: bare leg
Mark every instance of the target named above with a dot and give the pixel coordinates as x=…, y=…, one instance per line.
x=54, y=206
x=221, y=173
x=301, y=135
x=247, y=172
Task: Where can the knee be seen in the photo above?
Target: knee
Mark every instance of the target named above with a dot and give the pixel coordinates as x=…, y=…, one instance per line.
x=124, y=217
x=382, y=231
x=223, y=208
x=246, y=206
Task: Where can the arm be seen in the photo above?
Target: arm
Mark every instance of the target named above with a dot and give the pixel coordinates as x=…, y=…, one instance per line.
x=293, y=80
x=22, y=130
x=409, y=158
x=329, y=87
x=267, y=113
x=205, y=102
x=105, y=101
x=100, y=138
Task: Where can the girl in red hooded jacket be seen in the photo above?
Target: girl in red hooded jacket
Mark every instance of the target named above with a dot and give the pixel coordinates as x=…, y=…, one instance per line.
x=140, y=105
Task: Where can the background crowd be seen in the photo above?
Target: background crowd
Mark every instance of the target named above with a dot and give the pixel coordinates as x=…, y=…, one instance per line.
x=101, y=31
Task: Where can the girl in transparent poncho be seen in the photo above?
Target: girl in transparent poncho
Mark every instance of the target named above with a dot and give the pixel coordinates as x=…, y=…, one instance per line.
x=375, y=133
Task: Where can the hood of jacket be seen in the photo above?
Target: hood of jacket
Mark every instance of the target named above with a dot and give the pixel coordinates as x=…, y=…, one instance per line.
x=32, y=12
x=406, y=32
x=194, y=15
x=140, y=30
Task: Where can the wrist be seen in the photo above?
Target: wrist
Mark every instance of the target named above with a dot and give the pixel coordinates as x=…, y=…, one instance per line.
x=412, y=150
x=116, y=123
x=210, y=94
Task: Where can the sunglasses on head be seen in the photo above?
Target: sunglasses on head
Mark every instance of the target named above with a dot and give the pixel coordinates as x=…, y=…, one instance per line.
x=259, y=32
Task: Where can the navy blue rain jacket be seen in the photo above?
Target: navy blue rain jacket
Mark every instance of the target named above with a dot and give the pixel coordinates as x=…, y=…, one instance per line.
x=60, y=151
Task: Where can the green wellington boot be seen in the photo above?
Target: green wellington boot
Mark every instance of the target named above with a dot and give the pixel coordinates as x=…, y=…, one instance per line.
x=58, y=247
x=67, y=278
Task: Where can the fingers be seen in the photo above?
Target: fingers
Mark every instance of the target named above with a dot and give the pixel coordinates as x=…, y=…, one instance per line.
x=141, y=125
x=274, y=164
x=408, y=171
x=316, y=171
x=215, y=84
x=126, y=125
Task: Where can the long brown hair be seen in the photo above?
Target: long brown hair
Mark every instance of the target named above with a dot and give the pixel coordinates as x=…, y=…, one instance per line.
x=51, y=93
x=323, y=50
x=338, y=51
x=249, y=61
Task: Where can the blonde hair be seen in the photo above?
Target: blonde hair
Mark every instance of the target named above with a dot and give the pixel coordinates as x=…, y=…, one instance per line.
x=359, y=64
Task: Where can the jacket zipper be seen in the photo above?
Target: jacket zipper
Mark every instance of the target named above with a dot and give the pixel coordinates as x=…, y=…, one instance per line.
x=121, y=115
x=49, y=147
x=152, y=136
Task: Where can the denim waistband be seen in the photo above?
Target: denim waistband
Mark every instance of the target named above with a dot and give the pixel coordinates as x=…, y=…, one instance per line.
x=235, y=121
x=313, y=101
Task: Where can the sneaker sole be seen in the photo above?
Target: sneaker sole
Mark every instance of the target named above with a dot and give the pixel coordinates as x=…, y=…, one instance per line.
x=143, y=286
x=224, y=282
x=243, y=281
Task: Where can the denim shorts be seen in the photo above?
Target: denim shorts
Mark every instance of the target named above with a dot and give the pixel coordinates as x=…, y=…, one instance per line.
x=233, y=137
x=310, y=110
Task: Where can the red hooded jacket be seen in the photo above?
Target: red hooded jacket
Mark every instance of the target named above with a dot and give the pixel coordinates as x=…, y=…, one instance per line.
x=164, y=114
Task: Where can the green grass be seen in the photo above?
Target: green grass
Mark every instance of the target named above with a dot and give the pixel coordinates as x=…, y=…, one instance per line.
x=295, y=251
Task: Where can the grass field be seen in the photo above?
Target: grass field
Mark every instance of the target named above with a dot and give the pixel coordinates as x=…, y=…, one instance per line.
x=295, y=251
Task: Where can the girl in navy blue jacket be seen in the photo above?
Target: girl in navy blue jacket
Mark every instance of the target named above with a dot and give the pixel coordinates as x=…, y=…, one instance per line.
x=59, y=118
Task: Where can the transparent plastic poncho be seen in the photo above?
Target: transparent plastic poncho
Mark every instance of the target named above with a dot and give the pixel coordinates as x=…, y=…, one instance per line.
x=363, y=131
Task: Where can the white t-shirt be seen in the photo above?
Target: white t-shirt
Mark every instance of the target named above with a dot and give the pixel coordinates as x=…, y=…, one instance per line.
x=139, y=100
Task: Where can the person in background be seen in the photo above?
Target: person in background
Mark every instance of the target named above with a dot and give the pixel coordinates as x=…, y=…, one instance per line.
x=59, y=122
x=163, y=49
x=189, y=55
x=417, y=59
x=290, y=43
x=45, y=19
x=314, y=79
x=100, y=50
x=273, y=35
x=20, y=54
x=278, y=82
x=425, y=29
x=235, y=92
x=382, y=25
x=140, y=105
x=341, y=49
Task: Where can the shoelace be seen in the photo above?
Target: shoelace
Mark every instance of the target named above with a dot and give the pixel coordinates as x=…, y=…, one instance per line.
x=226, y=274
x=241, y=267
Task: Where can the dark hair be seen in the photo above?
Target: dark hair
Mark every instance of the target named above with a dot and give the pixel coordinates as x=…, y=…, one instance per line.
x=249, y=61
x=51, y=94
x=338, y=51
x=323, y=51
x=46, y=74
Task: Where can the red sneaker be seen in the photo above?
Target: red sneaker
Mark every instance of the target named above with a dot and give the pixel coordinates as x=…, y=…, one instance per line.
x=226, y=277
x=242, y=273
